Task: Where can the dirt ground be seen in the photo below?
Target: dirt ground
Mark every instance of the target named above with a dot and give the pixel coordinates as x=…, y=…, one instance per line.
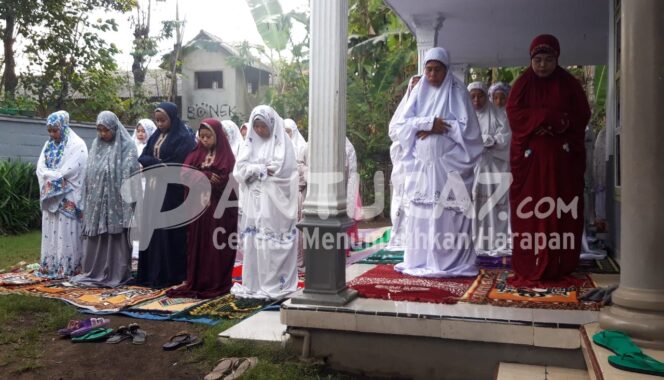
x=62, y=359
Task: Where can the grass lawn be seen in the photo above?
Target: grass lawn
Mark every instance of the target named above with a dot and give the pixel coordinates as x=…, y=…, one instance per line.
x=28, y=323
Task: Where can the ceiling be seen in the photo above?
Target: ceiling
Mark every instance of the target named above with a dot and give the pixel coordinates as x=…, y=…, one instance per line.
x=498, y=32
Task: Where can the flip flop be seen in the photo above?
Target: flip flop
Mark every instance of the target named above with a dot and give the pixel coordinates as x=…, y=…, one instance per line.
x=122, y=333
x=137, y=334
x=225, y=367
x=629, y=356
x=89, y=324
x=93, y=335
x=639, y=363
x=241, y=368
x=179, y=340
x=71, y=326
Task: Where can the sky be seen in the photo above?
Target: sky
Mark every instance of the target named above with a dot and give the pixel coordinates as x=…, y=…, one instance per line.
x=229, y=20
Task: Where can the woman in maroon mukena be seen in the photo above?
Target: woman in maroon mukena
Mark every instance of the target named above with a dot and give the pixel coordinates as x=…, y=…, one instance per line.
x=548, y=112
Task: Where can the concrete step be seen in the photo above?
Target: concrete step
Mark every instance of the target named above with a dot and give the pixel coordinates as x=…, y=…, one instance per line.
x=514, y=371
x=263, y=326
x=597, y=358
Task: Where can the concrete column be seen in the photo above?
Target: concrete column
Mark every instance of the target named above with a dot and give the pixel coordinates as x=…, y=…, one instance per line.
x=460, y=71
x=638, y=308
x=325, y=220
x=426, y=30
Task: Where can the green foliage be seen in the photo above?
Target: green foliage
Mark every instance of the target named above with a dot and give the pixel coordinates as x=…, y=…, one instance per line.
x=273, y=26
x=19, y=197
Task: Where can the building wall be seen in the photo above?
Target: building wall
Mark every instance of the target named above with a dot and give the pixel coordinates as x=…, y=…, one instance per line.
x=198, y=104
x=22, y=138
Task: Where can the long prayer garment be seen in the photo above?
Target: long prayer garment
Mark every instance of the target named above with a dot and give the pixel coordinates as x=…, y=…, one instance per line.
x=547, y=170
x=353, y=199
x=269, y=205
x=491, y=223
x=300, y=149
x=150, y=128
x=164, y=263
x=438, y=228
x=210, y=269
x=61, y=176
x=107, y=254
x=398, y=204
x=233, y=136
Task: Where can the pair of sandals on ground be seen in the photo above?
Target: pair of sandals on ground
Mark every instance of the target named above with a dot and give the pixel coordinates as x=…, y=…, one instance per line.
x=231, y=368
x=97, y=330
x=629, y=356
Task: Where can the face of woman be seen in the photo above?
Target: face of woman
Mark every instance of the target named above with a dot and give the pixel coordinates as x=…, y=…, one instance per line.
x=163, y=121
x=435, y=73
x=289, y=132
x=478, y=98
x=206, y=137
x=261, y=129
x=54, y=133
x=243, y=131
x=140, y=133
x=104, y=133
x=499, y=99
x=543, y=64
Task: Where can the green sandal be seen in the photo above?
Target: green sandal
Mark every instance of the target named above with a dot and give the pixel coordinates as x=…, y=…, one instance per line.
x=93, y=335
x=629, y=356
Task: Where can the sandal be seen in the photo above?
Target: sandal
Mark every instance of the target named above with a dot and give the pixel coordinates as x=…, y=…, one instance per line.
x=88, y=324
x=137, y=334
x=241, y=368
x=93, y=335
x=629, y=356
x=122, y=333
x=180, y=340
x=71, y=326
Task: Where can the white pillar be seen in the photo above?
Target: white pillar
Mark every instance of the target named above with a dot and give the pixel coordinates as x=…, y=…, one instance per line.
x=325, y=204
x=638, y=303
x=460, y=71
x=426, y=33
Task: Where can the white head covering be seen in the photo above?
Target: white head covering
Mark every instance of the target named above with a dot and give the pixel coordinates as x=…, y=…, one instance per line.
x=149, y=127
x=299, y=142
x=233, y=134
x=478, y=85
x=438, y=54
x=499, y=86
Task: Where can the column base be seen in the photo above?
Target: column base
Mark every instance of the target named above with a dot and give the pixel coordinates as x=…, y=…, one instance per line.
x=638, y=313
x=325, y=245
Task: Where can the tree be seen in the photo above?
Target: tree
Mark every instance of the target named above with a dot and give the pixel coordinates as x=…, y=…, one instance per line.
x=69, y=57
x=17, y=17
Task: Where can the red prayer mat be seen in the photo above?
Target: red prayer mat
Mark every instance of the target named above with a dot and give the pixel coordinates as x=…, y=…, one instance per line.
x=386, y=283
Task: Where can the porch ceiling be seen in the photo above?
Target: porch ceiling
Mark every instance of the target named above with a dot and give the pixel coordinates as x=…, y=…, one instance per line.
x=498, y=33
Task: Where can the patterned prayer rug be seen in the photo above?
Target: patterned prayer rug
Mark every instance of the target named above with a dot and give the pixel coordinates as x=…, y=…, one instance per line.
x=606, y=266
x=226, y=307
x=95, y=299
x=166, y=305
x=384, y=257
x=386, y=283
x=492, y=287
x=20, y=278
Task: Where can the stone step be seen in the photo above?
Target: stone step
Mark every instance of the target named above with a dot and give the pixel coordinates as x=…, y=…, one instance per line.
x=515, y=371
x=263, y=326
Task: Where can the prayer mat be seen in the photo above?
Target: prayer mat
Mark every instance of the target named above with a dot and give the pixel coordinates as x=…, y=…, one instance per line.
x=386, y=283
x=96, y=299
x=384, y=257
x=166, y=305
x=226, y=307
x=20, y=278
x=371, y=237
x=237, y=276
x=605, y=266
x=492, y=287
x=488, y=262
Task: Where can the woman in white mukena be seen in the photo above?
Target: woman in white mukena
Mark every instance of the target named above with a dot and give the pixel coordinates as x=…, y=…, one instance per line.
x=442, y=142
x=266, y=171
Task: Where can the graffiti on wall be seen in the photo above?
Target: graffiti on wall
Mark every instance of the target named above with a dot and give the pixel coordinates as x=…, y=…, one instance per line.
x=203, y=110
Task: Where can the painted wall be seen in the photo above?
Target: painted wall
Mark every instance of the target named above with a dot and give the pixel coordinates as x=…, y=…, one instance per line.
x=198, y=104
x=24, y=137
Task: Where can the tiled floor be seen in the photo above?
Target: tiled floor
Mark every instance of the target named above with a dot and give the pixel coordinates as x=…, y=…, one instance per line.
x=263, y=326
x=513, y=371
